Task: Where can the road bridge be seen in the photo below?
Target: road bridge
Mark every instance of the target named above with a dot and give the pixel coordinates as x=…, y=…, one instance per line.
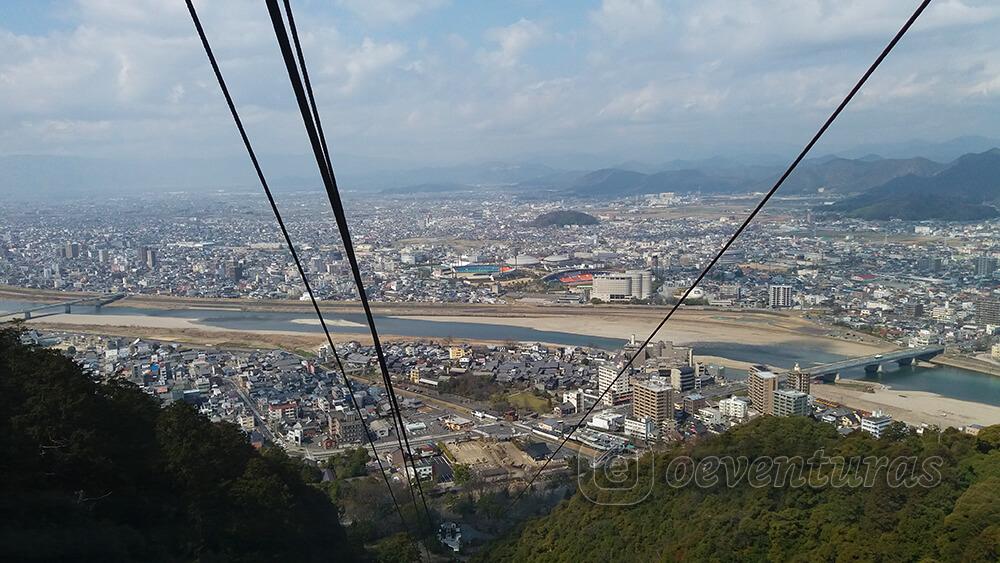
x=97, y=301
x=873, y=363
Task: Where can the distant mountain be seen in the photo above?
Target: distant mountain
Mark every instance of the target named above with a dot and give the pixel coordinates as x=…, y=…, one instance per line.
x=429, y=188
x=564, y=217
x=842, y=175
x=614, y=182
x=964, y=191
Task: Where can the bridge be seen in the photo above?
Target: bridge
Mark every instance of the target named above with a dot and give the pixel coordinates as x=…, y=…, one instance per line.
x=873, y=363
x=97, y=301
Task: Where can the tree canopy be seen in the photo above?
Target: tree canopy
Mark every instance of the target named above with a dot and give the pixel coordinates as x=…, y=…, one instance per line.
x=92, y=470
x=957, y=518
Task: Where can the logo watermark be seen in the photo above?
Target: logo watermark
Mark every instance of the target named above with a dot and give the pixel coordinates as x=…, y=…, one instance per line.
x=618, y=478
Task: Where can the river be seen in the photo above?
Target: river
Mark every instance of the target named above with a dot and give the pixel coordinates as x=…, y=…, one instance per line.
x=946, y=381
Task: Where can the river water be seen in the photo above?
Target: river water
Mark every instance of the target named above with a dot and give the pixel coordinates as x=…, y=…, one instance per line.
x=946, y=381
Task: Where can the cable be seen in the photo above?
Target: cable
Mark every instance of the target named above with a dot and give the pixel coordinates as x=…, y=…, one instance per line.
x=829, y=121
x=310, y=118
x=398, y=423
x=291, y=247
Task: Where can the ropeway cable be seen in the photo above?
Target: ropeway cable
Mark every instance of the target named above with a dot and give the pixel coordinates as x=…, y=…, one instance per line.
x=313, y=126
x=826, y=125
x=291, y=247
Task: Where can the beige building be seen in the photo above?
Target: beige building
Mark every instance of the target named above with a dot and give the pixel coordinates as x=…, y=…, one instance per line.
x=652, y=400
x=761, y=385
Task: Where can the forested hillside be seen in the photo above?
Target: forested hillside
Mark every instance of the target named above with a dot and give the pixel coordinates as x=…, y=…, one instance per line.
x=955, y=518
x=90, y=471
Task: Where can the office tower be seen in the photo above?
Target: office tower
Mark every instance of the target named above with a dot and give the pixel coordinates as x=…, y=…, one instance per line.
x=780, y=296
x=988, y=311
x=151, y=259
x=652, y=400
x=985, y=266
x=682, y=378
x=761, y=385
x=72, y=250
x=788, y=402
x=619, y=391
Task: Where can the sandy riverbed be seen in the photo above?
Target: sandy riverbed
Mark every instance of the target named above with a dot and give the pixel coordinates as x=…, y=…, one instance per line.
x=683, y=329
x=913, y=407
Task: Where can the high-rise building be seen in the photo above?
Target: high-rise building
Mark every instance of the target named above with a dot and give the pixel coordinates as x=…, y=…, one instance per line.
x=147, y=257
x=930, y=264
x=985, y=266
x=780, y=296
x=653, y=400
x=620, y=390
x=102, y=256
x=988, y=312
x=788, y=402
x=72, y=250
x=913, y=310
x=798, y=379
x=761, y=385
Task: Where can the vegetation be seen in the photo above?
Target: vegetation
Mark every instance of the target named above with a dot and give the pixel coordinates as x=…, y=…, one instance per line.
x=564, y=217
x=956, y=519
x=94, y=471
x=477, y=387
x=352, y=463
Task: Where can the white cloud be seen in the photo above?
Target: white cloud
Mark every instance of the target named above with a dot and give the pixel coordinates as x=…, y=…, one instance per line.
x=512, y=42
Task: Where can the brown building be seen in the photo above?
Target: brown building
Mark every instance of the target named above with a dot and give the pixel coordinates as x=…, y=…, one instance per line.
x=761, y=385
x=654, y=400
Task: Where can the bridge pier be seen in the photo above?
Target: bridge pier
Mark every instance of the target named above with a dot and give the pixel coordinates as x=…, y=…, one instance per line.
x=67, y=310
x=904, y=362
x=27, y=315
x=873, y=368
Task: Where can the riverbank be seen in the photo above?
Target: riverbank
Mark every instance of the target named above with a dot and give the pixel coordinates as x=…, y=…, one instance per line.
x=912, y=407
x=970, y=364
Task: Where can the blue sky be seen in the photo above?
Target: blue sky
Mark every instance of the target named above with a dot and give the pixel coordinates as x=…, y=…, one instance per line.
x=441, y=81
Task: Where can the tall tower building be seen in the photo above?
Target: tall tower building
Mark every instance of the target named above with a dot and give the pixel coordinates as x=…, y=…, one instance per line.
x=780, y=296
x=798, y=379
x=985, y=266
x=619, y=391
x=653, y=400
x=761, y=385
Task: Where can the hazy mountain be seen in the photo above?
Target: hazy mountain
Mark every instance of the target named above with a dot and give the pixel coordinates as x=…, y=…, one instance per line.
x=941, y=151
x=964, y=191
x=429, y=188
x=844, y=175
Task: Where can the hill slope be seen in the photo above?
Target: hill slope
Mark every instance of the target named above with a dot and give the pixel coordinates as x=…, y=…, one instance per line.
x=961, y=192
x=100, y=472
x=564, y=217
x=956, y=518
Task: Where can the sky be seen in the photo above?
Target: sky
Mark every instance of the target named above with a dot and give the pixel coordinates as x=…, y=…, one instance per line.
x=436, y=82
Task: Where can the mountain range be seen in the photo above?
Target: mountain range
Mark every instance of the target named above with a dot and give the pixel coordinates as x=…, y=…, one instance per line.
x=963, y=191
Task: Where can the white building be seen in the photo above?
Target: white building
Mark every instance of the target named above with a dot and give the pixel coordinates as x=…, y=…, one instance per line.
x=633, y=284
x=876, y=423
x=734, y=407
x=620, y=390
x=643, y=429
x=780, y=296
x=609, y=421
